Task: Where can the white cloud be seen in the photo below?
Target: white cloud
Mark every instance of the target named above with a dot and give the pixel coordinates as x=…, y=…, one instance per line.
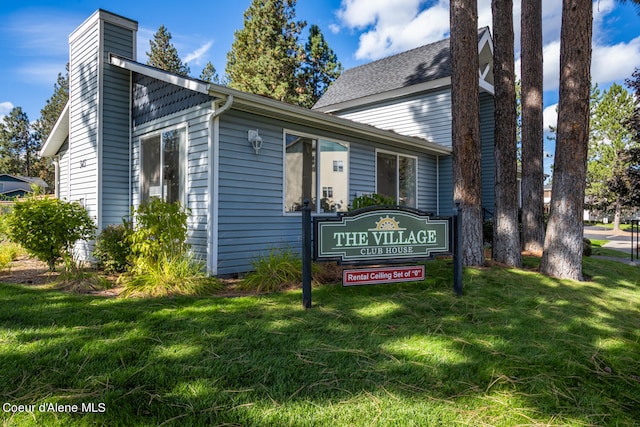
x=5, y=108
x=196, y=55
x=392, y=27
x=551, y=65
x=614, y=63
x=549, y=117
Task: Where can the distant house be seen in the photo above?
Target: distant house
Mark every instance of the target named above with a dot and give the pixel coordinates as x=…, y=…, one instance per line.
x=243, y=163
x=12, y=186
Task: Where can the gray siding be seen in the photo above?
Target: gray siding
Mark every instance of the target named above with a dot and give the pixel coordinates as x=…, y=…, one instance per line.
x=426, y=115
x=251, y=218
x=115, y=128
x=487, y=156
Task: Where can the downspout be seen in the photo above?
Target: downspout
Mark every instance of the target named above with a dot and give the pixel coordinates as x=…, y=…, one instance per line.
x=437, y=185
x=213, y=181
x=56, y=168
x=130, y=144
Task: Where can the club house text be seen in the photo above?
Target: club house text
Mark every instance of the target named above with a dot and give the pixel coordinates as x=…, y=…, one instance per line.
x=378, y=242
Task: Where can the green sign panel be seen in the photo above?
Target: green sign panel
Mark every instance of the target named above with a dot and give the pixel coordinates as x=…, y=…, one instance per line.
x=381, y=234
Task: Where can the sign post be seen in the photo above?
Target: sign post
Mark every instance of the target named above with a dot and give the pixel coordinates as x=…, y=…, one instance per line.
x=306, y=255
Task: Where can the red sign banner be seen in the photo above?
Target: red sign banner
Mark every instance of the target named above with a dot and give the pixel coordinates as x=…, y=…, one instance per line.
x=373, y=276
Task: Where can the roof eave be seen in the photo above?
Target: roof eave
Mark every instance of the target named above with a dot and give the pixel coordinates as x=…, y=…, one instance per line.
x=58, y=134
x=280, y=110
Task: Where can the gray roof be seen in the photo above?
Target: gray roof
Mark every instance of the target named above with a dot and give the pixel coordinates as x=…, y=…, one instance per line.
x=420, y=65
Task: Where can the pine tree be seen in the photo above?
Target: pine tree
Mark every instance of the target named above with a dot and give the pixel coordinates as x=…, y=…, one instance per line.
x=609, y=140
x=320, y=67
x=50, y=113
x=506, y=235
x=209, y=74
x=532, y=124
x=563, y=245
x=18, y=146
x=164, y=55
x=265, y=55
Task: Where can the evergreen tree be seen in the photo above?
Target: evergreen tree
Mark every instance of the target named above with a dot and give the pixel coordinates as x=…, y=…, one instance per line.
x=18, y=145
x=532, y=127
x=609, y=140
x=49, y=115
x=634, y=121
x=164, y=55
x=463, y=16
x=563, y=245
x=506, y=235
x=265, y=55
x=319, y=68
x=209, y=74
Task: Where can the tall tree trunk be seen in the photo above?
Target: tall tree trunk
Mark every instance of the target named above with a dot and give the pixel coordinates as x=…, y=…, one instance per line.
x=616, y=214
x=466, y=126
x=506, y=236
x=562, y=255
x=532, y=127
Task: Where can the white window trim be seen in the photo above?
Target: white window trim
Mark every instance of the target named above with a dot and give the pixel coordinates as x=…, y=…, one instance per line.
x=184, y=165
x=398, y=154
x=286, y=131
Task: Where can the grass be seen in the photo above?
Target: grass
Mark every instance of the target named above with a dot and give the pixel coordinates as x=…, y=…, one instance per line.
x=517, y=349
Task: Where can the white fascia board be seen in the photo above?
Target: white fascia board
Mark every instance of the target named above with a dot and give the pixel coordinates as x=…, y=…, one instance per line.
x=58, y=135
x=165, y=76
x=486, y=86
x=385, y=96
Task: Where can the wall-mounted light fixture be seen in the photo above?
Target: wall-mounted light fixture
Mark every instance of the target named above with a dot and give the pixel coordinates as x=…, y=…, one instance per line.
x=255, y=140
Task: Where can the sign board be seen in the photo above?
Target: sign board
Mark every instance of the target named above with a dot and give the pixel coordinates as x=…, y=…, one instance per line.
x=380, y=235
x=373, y=276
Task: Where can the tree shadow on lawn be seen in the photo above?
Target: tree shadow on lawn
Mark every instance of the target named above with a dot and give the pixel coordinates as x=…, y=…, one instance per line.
x=516, y=348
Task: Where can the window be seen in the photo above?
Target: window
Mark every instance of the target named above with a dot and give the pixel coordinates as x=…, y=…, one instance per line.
x=315, y=167
x=163, y=166
x=396, y=177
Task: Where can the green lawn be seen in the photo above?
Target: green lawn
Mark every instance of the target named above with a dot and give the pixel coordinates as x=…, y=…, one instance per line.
x=516, y=349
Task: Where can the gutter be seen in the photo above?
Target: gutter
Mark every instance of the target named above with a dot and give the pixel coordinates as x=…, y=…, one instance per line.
x=213, y=182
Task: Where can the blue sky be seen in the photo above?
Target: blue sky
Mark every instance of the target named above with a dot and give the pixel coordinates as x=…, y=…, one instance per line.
x=34, y=36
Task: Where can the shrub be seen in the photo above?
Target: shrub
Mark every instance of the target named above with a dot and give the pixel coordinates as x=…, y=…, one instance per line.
x=372, y=200
x=587, y=248
x=112, y=249
x=8, y=252
x=47, y=228
x=159, y=234
x=159, y=259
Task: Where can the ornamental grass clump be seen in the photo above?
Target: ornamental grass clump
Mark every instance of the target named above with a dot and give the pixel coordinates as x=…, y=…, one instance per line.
x=280, y=269
x=160, y=262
